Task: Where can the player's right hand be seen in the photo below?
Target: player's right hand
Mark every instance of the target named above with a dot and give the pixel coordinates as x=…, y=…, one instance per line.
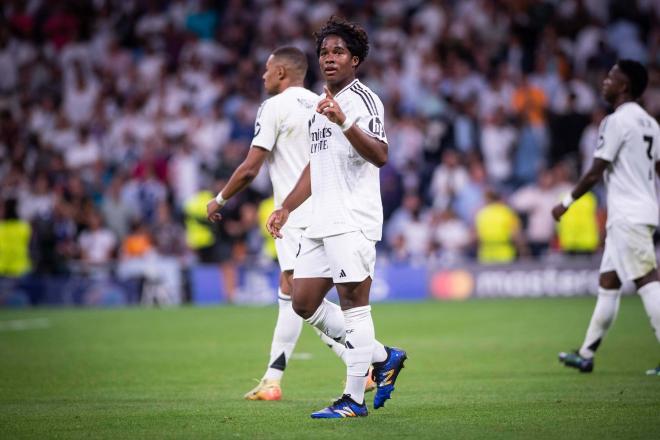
x=330, y=108
x=558, y=211
x=276, y=221
x=212, y=208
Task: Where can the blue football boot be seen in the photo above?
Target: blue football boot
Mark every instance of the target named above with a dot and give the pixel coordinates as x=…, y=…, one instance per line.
x=385, y=374
x=574, y=360
x=342, y=408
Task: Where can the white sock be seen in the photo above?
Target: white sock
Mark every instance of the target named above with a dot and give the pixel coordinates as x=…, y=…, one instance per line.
x=339, y=349
x=360, y=337
x=329, y=319
x=379, y=354
x=607, y=307
x=285, y=336
x=650, y=294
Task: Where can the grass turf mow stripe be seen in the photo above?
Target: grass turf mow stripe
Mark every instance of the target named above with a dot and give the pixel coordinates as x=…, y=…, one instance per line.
x=476, y=369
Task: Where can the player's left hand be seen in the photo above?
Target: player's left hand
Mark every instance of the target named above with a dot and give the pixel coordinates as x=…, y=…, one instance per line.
x=212, y=208
x=330, y=108
x=276, y=221
x=558, y=211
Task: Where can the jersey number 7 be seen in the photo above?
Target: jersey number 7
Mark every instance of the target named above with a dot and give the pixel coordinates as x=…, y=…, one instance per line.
x=649, y=140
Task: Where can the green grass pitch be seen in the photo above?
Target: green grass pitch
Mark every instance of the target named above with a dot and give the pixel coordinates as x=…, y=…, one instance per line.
x=476, y=369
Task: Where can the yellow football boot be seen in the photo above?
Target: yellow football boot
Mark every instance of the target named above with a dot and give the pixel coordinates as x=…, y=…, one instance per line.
x=370, y=385
x=266, y=390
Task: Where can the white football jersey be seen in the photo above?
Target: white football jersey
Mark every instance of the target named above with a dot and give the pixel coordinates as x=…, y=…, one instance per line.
x=345, y=187
x=628, y=138
x=281, y=127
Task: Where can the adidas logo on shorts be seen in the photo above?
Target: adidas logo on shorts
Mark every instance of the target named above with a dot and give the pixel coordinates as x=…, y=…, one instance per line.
x=342, y=274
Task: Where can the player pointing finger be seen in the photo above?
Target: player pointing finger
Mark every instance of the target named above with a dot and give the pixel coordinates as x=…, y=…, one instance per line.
x=330, y=108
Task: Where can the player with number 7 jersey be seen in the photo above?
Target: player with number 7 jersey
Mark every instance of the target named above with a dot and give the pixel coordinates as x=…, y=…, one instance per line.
x=627, y=156
x=628, y=139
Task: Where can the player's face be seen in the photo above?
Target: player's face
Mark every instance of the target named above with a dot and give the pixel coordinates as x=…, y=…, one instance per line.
x=271, y=76
x=336, y=62
x=614, y=84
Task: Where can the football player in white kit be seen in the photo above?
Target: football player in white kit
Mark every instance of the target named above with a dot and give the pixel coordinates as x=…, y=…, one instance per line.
x=347, y=147
x=280, y=140
x=628, y=156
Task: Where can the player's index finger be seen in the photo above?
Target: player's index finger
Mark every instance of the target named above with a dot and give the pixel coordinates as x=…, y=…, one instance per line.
x=327, y=92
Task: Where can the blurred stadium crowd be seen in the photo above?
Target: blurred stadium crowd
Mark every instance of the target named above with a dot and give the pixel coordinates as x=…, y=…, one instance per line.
x=119, y=119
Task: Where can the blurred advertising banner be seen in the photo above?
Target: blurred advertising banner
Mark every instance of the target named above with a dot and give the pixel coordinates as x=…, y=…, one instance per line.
x=406, y=282
x=570, y=277
x=258, y=285
x=209, y=284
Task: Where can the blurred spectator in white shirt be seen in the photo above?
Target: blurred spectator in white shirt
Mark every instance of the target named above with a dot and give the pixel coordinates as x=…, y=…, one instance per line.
x=498, y=138
x=448, y=179
x=409, y=229
x=451, y=237
x=42, y=117
x=97, y=243
x=183, y=173
x=536, y=201
x=84, y=153
x=471, y=197
x=62, y=136
x=39, y=201
x=409, y=138
x=80, y=95
x=116, y=213
x=211, y=135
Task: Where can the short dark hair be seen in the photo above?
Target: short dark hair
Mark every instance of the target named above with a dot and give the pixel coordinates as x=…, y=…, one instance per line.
x=353, y=34
x=294, y=57
x=637, y=75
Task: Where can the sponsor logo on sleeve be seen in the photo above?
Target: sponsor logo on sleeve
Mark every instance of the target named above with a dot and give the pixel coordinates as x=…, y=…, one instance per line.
x=375, y=127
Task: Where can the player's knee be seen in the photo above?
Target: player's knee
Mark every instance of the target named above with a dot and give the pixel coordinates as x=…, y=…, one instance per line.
x=609, y=280
x=648, y=278
x=302, y=308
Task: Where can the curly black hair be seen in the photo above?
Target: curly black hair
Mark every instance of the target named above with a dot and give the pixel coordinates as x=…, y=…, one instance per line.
x=353, y=35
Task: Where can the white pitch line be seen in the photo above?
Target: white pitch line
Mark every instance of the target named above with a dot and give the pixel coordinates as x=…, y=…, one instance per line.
x=18, y=325
x=301, y=356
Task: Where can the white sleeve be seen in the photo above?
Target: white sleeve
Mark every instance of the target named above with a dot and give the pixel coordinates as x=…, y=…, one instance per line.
x=610, y=139
x=265, y=126
x=372, y=121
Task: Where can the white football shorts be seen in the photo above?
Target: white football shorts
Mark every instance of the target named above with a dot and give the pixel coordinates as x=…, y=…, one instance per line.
x=288, y=246
x=346, y=258
x=629, y=250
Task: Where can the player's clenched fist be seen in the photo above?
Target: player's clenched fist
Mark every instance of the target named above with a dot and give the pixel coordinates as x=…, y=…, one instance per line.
x=276, y=221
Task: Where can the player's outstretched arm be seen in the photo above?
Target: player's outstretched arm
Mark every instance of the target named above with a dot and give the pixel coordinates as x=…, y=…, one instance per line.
x=239, y=180
x=371, y=149
x=586, y=182
x=296, y=197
